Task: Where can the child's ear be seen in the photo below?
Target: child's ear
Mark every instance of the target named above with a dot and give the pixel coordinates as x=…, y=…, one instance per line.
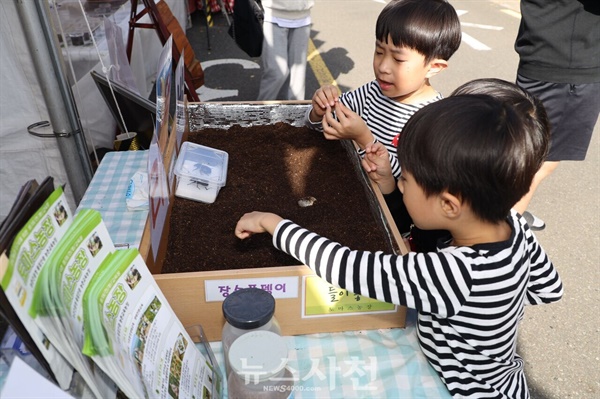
x=436, y=66
x=451, y=205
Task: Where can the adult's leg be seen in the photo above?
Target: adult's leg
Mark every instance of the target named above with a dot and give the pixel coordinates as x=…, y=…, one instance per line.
x=297, y=53
x=545, y=171
x=274, y=61
x=572, y=111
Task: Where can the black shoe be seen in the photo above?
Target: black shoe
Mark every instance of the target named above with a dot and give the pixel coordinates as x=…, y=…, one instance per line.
x=534, y=222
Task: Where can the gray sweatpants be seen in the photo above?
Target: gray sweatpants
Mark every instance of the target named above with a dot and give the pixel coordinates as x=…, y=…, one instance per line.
x=283, y=62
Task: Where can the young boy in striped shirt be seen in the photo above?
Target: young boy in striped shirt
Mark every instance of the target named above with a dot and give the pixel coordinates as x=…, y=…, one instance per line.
x=414, y=41
x=466, y=160
x=376, y=164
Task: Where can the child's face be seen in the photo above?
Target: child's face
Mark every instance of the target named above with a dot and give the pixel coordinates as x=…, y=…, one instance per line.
x=401, y=72
x=419, y=206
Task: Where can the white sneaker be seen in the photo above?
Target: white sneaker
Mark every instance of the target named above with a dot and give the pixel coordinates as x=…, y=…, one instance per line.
x=534, y=222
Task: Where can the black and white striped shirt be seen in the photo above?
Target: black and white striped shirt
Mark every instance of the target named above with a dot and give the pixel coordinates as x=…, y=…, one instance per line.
x=470, y=300
x=384, y=117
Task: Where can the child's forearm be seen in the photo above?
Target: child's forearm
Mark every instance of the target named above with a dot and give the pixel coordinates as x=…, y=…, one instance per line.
x=256, y=223
x=364, y=138
x=387, y=185
x=313, y=117
x=269, y=222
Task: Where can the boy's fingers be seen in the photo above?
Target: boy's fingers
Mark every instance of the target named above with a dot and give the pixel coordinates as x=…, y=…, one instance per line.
x=321, y=101
x=342, y=111
x=331, y=120
x=341, y=107
x=332, y=95
x=240, y=232
x=366, y=165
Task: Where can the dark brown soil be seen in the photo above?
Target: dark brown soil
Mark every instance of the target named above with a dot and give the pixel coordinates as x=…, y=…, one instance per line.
x=270, y=168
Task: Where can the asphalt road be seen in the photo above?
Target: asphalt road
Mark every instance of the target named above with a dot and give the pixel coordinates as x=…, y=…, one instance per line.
x=561, y=342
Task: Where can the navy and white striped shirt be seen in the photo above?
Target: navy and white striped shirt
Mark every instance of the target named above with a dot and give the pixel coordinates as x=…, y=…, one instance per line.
x=384, y=117
x=470, y=300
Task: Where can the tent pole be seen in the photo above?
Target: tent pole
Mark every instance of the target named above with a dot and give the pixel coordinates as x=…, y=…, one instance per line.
x=49, y=67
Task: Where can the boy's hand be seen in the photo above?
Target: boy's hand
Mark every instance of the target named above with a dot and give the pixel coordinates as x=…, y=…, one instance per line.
x=348, y=125
x=323, y=98
x=256, y=222
x=376, y=163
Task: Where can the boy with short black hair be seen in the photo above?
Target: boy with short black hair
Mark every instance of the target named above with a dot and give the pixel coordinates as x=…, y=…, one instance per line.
x=377, y=166
x=414, y=41
x=466, y=160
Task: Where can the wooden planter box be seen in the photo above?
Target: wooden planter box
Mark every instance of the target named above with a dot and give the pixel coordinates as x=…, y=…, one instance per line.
x=304, y=302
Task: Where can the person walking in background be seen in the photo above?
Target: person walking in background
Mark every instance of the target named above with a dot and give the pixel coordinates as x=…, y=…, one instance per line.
x=559, y=62
x=284, y=53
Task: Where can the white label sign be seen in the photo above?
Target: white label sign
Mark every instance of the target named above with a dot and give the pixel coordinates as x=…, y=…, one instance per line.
x=279, y=287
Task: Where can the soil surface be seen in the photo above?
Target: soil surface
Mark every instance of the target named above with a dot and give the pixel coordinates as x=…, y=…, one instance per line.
x=271, y=168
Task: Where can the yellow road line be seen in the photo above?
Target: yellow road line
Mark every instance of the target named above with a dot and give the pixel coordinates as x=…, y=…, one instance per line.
x=322, y=73
x=512, y=13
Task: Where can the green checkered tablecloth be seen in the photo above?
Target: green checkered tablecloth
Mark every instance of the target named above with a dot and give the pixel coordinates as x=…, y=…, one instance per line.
x=385, y=363
x=106, y=194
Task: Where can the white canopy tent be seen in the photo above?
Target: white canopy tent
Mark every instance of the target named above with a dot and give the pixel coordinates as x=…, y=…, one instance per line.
x=24, y=156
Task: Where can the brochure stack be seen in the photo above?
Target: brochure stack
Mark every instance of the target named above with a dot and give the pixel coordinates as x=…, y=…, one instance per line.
x=84, y=308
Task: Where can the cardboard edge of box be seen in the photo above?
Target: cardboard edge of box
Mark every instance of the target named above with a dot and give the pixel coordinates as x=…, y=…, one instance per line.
x=186, y=291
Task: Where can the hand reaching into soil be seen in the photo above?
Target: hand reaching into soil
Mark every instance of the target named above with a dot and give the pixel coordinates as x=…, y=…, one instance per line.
x=256, y=222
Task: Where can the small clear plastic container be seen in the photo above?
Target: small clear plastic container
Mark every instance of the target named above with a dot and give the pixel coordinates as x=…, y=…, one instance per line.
x=201, y=172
